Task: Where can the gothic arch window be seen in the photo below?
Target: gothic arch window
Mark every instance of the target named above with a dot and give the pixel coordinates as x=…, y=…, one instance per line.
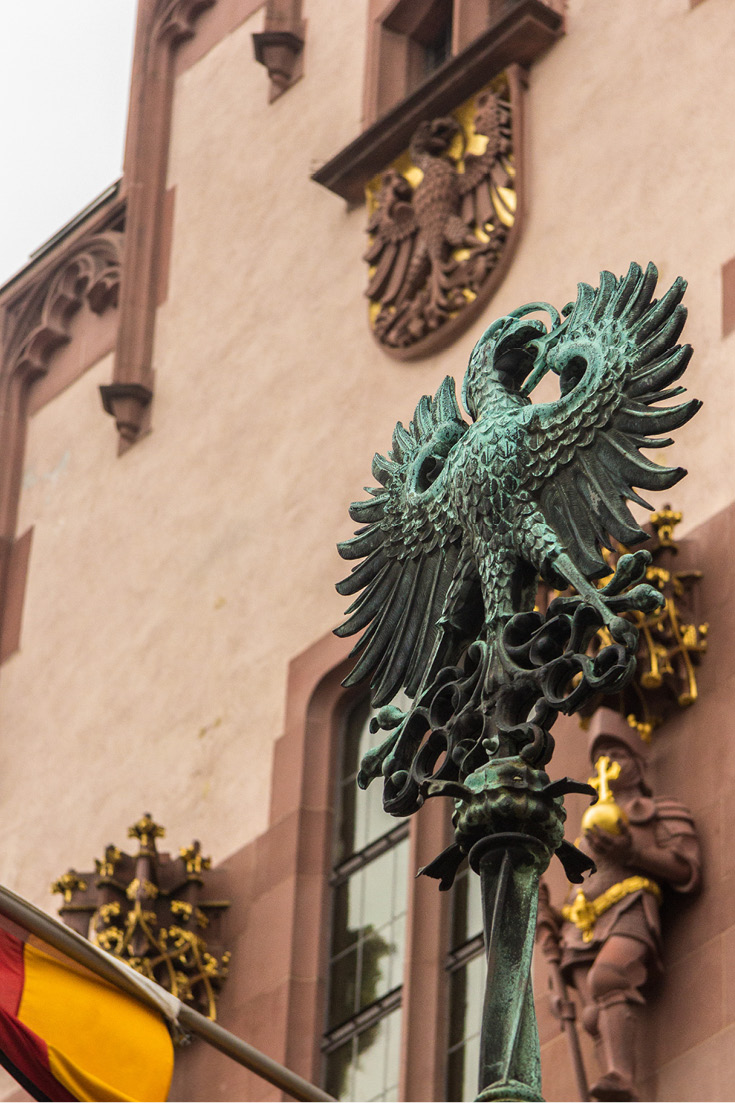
x=362, y=969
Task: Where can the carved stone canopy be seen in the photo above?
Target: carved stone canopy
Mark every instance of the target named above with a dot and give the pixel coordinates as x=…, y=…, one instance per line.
x=671, y=641
x=150, y=910
x=39, y=321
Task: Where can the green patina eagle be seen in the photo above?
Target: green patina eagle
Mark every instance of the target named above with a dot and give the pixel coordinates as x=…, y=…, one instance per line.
x=468, y=516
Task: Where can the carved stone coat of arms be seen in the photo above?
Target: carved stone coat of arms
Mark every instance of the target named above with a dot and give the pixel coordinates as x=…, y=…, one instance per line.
x=443, y=220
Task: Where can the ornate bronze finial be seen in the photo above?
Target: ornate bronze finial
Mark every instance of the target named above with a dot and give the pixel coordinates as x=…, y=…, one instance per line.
x=68, y=884
x=149, y=910
x=452, y=542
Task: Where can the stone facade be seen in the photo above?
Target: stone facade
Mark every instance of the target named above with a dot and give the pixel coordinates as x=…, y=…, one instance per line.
x=166, y=629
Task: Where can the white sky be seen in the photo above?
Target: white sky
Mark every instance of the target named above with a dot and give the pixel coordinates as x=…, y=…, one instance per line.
x=64, y=77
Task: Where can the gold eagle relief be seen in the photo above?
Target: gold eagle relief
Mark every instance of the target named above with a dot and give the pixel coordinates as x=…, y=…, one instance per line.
x=442, y=220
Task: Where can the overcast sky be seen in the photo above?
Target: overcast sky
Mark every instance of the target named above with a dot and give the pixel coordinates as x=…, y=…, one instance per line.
x=64, y=76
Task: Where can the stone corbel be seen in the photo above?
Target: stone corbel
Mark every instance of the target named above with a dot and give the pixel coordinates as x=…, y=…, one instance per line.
x=279, y=47
x=162, y=26
x=127, y=403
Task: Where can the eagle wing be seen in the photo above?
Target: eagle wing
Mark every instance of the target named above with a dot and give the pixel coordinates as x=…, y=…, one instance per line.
x=488, y=176
x=410, y=550
x=394, y=229
x=617, y=356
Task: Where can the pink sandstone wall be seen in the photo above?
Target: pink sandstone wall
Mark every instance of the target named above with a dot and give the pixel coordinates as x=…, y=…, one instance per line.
x=170, y=587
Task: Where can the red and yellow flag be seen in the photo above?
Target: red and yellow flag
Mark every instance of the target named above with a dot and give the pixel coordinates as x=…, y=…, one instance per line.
x=66, y=1034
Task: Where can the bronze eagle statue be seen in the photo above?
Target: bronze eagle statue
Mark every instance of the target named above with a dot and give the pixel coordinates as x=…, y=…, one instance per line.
x=468, y=516
x=466, y=519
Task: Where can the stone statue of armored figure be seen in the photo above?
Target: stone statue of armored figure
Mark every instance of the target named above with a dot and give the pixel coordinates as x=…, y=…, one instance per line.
x=607, y=937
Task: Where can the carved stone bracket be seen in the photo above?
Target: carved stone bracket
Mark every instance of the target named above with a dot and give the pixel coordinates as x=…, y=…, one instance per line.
x=279, y=46
x=162, y=26
x=126, y=402
x=150, y=910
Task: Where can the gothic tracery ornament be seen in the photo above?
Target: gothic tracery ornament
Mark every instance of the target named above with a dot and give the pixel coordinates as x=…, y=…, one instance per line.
x=151, y=910
x=39, y=324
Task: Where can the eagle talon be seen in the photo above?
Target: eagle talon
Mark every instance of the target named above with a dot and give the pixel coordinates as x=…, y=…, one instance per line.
x=622, y=631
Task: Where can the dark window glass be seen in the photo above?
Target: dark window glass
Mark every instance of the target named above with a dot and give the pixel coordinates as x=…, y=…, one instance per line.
x=466, y=908
x=368, y=934
x=439, y=48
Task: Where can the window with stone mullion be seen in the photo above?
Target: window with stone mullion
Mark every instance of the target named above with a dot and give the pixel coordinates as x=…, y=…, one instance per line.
x=369, y=899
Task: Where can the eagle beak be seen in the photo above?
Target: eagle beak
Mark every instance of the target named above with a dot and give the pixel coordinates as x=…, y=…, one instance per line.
x=543, y=364
x=515, y=352
x=533, y=380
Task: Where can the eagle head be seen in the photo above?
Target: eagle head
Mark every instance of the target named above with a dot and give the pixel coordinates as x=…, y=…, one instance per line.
x=500, y=362
x=509, y=359
x=433, y=137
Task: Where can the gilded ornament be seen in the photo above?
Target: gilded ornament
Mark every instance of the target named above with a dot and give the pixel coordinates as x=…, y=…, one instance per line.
x=194, y=860
x=107, y=911
x=106, y=867
x=441, y=221
x=143, y=888
x=672, y=640
x=181, y=907
x=584, y=913
x=68, y=884
x=147, y=923
x=605, y=814
x=665, y=521
x=146, y=830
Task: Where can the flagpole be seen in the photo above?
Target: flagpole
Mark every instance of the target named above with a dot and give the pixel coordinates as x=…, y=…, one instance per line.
x=251, y=1058
x=121, y=975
